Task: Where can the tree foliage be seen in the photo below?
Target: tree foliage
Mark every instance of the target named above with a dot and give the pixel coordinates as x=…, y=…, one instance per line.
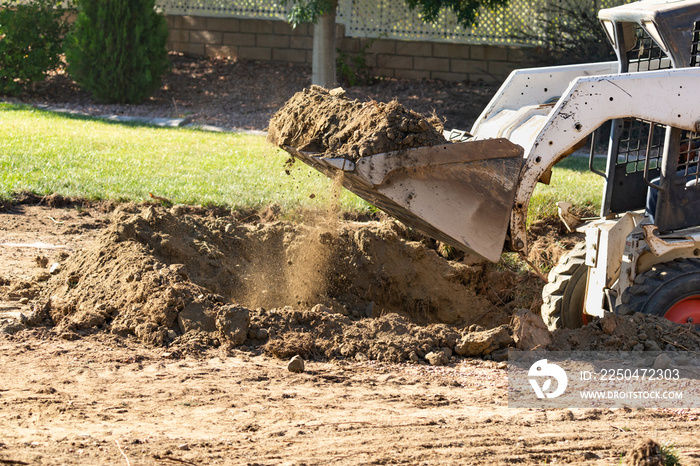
x=466, y=10
x=568, y=32
x=117, y=49
x=308, y=11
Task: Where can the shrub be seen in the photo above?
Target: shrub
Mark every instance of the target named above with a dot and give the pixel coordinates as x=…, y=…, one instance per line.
x=117, y=49
x=353, y=70
x=31, y=43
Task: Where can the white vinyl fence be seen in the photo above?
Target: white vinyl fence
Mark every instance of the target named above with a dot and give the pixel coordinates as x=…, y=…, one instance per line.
x=392, y=19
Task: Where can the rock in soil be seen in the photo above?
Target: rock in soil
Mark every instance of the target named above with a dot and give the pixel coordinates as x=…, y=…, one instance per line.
x=436, y=358
x=296, y=364
x=321, y=121
x=530, y=331
x=484, y=342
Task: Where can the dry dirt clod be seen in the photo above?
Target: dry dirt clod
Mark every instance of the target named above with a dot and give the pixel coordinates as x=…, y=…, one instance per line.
x=41, y=261
x=530, y=331
x=42, y=277
x=296, y=365
x=662, y=361
x=609, y=323
x=436, y=358
x=484, y=342
x=646, y=452
x=55, y=268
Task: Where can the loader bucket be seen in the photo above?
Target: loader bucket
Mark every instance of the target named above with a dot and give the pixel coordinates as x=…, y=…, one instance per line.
x=460, y=193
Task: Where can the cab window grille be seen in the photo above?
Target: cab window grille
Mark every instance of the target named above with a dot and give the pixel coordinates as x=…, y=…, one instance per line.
x=646, y=55
x=632, y=146
x=695, y=47
x=689, y=157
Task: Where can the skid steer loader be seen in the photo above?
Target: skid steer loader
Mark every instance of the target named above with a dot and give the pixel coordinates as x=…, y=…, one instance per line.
x=473, y=193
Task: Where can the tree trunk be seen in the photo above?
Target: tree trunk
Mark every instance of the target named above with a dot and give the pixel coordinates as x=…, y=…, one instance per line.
x=323, y=60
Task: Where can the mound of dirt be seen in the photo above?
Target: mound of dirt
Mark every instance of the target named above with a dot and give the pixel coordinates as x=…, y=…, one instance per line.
x=640, y=332
x=321, y=121
x=180, y=276
x=191, y=278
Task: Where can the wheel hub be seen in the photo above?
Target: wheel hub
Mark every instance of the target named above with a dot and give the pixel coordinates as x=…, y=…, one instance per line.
x=685, y=311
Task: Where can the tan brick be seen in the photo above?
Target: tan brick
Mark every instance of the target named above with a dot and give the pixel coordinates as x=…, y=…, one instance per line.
x=188, y=48
x=384, y=72
x=349, y=44
x=289, y=55
x=282, y=27
x=415, y=49
x=483, y=77
x=449, y=76
x=370, y=59
x=431, y=64
x=221, y=51
x=205, y=37
x=175, y=21
x=239, y=38
x=194, y=22
x=380, y=46
x=489, y=52
x=255, y=53
x=520, y=54
x=301, y=30
x=301, y=42
x=394, y=61
x=500, y=70
x=277, y=42
x=450, y=50
x=412, y=74
x=461, y=66
x=478, y=67
x=178, y=35
x=223, y=24
x=257, y=26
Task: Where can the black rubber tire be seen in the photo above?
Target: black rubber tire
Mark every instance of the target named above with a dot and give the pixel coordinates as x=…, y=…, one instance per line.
x=657, y=290
x=564, y=296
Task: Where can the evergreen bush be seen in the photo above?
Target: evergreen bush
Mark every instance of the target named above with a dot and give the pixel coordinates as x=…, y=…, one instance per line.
x=117, y=49
x=31, y=43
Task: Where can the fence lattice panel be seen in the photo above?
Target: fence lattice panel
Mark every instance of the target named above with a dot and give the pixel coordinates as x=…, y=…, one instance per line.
x=391, y=19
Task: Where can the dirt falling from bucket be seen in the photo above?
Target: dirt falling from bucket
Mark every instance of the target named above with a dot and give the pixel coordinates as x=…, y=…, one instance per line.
x=311, y=260
x=297, y=269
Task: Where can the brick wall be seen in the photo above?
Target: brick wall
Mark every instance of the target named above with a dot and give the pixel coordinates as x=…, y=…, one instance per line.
x=276, y=41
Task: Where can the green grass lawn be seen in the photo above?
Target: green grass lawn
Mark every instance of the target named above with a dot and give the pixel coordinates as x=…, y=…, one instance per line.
x=572, y=182
x=44, y=153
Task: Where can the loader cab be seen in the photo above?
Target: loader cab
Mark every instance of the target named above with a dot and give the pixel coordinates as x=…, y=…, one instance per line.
x=642, y=156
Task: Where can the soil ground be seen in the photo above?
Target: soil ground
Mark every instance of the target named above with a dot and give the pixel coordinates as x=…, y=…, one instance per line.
x=99, y=397
x=163, y=335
